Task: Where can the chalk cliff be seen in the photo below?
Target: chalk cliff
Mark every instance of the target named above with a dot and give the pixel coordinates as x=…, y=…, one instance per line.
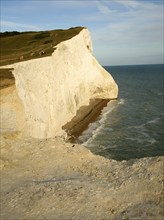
x=53, y=88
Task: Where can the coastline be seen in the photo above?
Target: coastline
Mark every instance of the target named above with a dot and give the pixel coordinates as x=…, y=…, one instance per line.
x=85, y=115
x=55, y=179
x=47, y=177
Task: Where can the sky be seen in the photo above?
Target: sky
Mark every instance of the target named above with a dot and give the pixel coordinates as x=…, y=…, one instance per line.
x=123, y=32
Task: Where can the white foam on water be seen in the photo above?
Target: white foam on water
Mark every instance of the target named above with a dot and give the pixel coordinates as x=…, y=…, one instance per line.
x=158, y=93
x=98, y=126
x=105, y=115
x=102, y=147
x=137, y=127
x=108, y=129
x=152, y=141
x=154, y=121
x=121, y=101
x=143, y=133
x=149, y=140
x=142, y=126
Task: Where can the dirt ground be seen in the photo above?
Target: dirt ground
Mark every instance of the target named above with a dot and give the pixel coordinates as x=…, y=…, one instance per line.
x=55, y=180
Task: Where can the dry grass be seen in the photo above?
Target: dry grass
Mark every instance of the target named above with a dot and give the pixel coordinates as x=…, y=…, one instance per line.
x=18, y=46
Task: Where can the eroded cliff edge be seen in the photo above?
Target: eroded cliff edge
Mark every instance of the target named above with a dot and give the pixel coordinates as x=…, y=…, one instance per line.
x=53, y=88
x=52, y=179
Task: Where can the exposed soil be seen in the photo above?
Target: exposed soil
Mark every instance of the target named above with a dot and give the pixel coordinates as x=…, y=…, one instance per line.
x=52, y=179
x=6, y=78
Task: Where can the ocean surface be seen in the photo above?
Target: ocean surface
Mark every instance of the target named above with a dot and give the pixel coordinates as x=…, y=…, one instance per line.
x=132, y=126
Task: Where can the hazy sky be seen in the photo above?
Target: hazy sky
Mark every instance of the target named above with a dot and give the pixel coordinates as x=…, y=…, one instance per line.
x=123, y=31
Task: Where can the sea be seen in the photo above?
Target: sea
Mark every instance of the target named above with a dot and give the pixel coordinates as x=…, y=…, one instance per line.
x=133, y=125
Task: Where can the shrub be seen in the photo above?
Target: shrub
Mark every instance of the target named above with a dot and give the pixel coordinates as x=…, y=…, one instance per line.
x=8, y=33
x=42, y=35
x=47, y=41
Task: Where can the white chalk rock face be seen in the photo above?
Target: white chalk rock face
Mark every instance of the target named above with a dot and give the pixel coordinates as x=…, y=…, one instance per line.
x=11, y=110
x=53, y=88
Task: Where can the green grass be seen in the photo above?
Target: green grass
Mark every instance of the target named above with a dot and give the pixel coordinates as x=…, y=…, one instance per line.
x=18, y=46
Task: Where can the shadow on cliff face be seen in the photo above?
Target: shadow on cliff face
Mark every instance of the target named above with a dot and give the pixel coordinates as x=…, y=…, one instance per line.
x=85, y=115
x=6, y=78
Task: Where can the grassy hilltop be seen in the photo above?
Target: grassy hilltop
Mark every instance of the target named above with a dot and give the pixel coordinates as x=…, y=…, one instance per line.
x=18, y=46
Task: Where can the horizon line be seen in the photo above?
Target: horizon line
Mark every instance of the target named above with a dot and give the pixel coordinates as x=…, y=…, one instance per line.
x=133, y=64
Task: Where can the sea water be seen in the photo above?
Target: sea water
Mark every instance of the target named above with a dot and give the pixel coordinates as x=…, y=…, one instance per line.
x=131, y=126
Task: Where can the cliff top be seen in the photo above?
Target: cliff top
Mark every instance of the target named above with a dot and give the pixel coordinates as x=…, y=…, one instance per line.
x=18, y=46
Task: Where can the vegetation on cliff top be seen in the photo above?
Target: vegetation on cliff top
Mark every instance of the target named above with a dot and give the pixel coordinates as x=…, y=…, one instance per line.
x=18, y=46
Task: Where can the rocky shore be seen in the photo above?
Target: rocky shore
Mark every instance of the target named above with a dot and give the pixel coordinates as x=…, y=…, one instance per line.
x=85, y=115
x=53, y=179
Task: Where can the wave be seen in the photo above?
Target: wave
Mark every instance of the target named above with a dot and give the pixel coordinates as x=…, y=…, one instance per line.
x=158, y=93
x=154, y=121
x=145, y=139
x=141, y=126
x=121, y=101
x=143, y=132
x=98, y=126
